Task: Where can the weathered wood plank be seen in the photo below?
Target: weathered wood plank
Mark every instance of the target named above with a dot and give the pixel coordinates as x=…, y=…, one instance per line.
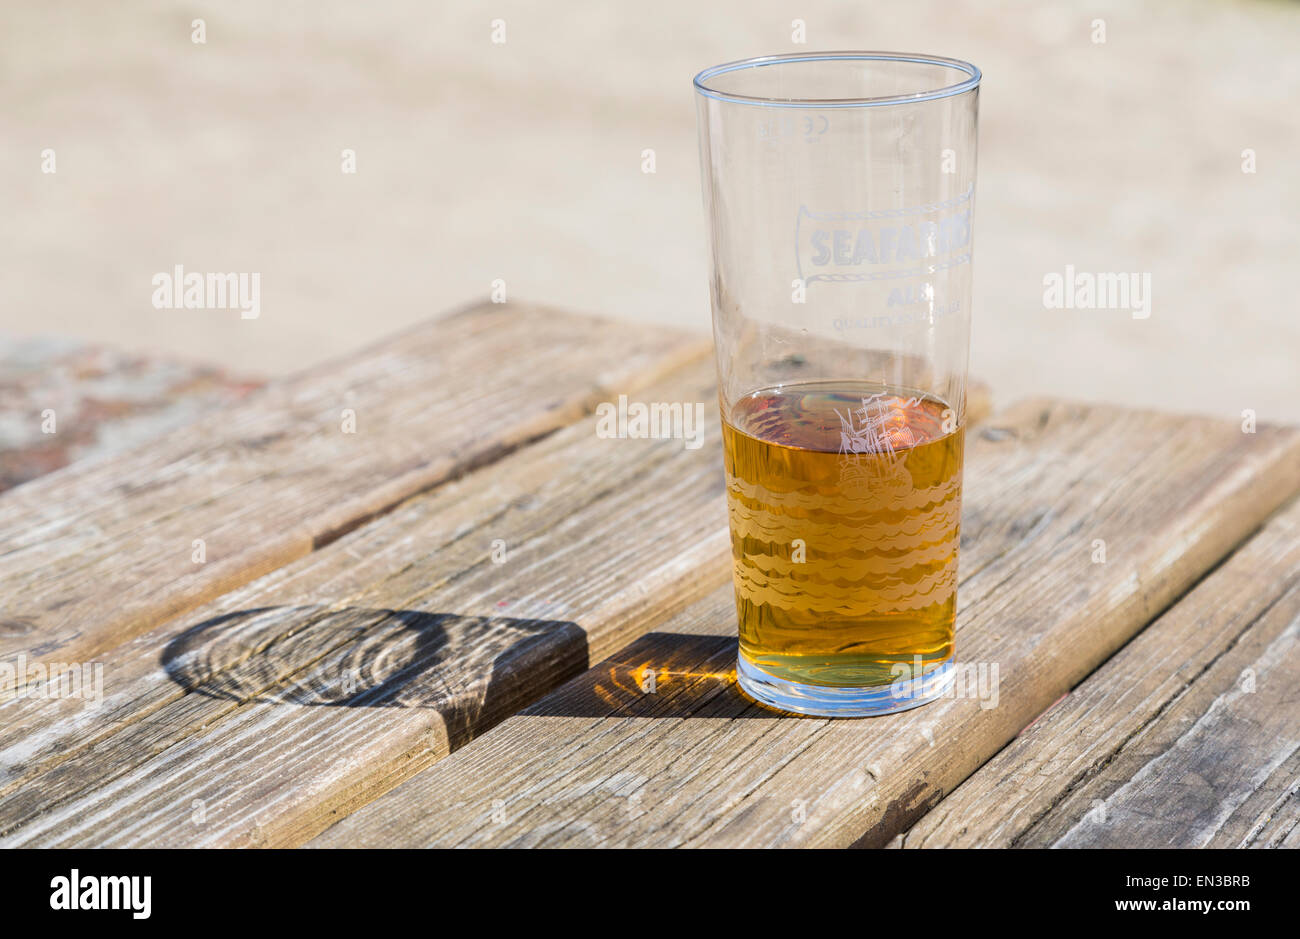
x=62, y=400
x=602, y=762
x=325, y=683
x=105, y=549
x=1273, y=809
x=1188, y=737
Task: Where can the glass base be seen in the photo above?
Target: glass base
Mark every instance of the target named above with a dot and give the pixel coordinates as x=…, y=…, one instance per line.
x=827, y=701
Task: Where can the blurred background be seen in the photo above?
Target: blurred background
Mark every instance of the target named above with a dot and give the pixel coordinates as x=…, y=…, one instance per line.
x=522, y=160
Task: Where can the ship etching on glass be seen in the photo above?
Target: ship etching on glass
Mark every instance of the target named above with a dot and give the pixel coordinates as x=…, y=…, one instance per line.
x=879, y=429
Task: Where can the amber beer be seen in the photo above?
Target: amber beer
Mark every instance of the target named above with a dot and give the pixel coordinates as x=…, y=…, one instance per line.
x=845, y=508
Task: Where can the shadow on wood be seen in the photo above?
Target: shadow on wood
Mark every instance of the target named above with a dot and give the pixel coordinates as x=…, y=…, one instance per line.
x=358, y=657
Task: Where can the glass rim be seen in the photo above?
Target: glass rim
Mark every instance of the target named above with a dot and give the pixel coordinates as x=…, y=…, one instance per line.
x=971, y=82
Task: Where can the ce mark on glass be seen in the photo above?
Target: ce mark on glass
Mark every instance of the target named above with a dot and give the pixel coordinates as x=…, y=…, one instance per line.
x=810, y=127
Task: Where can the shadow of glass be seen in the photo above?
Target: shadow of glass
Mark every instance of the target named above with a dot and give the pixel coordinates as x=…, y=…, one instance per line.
x=473, y=669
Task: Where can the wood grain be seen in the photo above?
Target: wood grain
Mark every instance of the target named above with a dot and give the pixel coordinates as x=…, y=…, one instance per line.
x=323, y=684
x=1188, y=737
x=105, y=549
x=602, y=762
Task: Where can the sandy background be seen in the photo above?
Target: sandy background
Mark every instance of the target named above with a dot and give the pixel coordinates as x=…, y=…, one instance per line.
x=522, y=161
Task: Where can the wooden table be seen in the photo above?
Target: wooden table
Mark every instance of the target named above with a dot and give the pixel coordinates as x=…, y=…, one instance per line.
x=413, y=599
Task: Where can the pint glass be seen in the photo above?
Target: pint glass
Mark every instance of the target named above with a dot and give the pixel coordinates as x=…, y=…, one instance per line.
x=839, y=190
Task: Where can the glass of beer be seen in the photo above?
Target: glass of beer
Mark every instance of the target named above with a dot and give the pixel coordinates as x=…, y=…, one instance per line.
x=839, y=189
